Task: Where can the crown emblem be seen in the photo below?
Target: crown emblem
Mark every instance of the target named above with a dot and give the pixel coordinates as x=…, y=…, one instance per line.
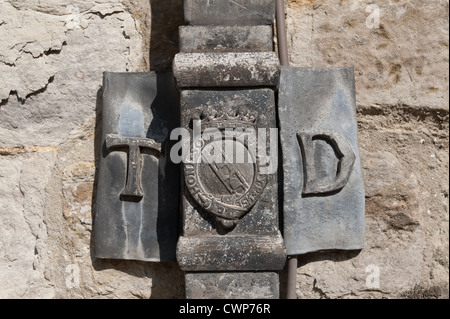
x=241, y=118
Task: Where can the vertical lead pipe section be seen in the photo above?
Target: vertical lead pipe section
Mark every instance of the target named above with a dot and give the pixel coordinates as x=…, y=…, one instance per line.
x=291, y=292
x=281, y=34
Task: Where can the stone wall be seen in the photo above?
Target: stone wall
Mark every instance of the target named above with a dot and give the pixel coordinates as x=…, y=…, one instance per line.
x=52, y=57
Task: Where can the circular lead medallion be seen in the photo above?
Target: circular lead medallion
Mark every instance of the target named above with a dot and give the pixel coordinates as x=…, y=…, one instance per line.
x=226, y=182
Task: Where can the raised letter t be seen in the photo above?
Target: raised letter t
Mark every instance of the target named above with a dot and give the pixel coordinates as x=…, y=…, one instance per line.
x=133, y=188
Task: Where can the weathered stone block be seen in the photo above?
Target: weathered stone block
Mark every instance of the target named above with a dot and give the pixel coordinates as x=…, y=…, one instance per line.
x=195, y=39
x=229, y=12
x=138, y=186
x=231, y=253
x=324, y=202
x=232, y=286
x=203, y=70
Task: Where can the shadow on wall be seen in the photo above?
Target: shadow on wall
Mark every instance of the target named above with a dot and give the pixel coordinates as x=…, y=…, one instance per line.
x=167, y=17
x=167, y=278
x=335, y=256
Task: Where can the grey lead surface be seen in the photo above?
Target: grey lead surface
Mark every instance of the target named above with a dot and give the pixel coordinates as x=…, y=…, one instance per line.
x=226, y=70
x=238, y=285
x=229, y=12
x=326, y=210
x=137, y=207
x=202, y=39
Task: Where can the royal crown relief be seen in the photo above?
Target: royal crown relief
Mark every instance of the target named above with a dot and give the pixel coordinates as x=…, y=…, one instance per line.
x=225, y=173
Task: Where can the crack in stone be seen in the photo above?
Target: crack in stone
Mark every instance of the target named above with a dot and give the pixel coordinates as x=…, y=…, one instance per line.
x=23, y=45
x=58, y=11
x=104, y=15
x=316, y=289
x=34, y=93
x=10, y=151
x=421, y=114
x=11, y=64
x=5, y=101
x=52, y=51
x=47, y=52
x=40, y=91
